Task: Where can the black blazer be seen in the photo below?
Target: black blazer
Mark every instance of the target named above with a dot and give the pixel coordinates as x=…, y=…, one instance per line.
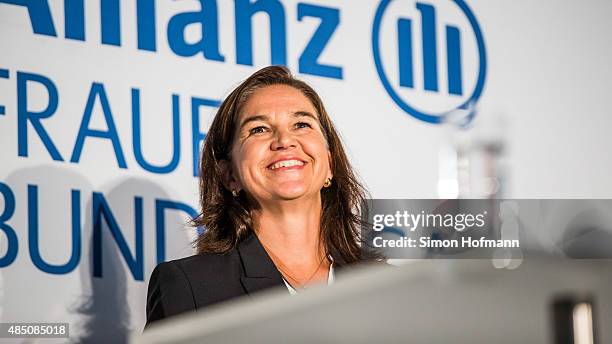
x=192, y=283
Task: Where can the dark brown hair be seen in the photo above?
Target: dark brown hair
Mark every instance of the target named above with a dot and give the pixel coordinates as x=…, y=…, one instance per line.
x=227, y=219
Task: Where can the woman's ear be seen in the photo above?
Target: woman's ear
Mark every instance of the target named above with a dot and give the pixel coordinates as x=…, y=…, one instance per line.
x=227, y=176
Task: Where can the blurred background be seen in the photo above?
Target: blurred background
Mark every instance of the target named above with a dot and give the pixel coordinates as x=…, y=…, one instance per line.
x=104, y=105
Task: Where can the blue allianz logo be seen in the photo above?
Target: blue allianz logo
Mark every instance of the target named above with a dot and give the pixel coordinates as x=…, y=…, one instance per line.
x=430, y=56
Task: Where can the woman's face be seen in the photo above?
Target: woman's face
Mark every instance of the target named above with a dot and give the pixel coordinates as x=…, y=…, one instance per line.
x=279, y=151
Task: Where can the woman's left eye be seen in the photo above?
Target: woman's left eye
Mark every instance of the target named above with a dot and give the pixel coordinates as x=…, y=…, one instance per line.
x=303, y=125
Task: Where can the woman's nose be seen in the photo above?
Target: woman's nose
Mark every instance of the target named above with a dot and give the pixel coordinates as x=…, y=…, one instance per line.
x=283, y=139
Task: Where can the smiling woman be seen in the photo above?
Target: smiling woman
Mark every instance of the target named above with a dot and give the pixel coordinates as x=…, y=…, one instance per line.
x=279, y=201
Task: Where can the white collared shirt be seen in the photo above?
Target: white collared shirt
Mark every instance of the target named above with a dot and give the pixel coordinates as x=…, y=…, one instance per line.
x=330, y=278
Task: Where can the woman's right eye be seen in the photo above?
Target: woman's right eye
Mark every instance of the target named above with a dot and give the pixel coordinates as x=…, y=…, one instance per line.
x=257, y=130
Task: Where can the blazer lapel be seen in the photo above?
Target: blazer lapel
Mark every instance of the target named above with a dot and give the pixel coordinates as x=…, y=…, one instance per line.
x=259, y=272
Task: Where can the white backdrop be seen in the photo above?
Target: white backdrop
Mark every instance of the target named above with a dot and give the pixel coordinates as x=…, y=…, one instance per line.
x=547, y=77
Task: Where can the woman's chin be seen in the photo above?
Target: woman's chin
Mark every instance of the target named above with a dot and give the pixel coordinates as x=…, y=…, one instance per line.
x=291, y=193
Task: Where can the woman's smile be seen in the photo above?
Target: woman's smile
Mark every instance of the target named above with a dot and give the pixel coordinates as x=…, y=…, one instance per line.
x=287, y=165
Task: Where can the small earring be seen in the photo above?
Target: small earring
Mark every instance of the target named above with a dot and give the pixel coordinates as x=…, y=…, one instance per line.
x=327, y=183
x=234, y=193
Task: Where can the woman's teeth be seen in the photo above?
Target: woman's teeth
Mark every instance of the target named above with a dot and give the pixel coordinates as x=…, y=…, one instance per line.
x=286, y=163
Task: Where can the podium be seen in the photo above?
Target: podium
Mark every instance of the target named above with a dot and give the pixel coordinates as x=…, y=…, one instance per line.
x=426, y=301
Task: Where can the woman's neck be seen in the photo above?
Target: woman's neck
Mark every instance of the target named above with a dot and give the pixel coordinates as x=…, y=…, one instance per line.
x=290, y=230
